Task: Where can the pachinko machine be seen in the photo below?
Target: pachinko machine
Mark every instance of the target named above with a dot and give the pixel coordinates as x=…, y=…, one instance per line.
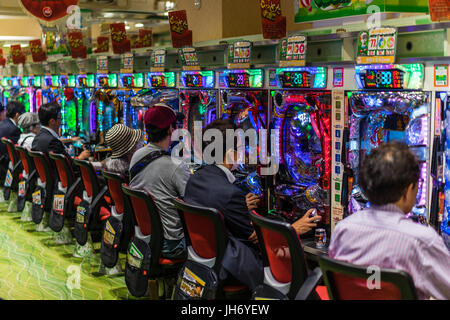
x=389, y=106
x=301, y=118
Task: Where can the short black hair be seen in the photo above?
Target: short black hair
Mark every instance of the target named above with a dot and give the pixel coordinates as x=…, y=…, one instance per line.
x=156, y=134
x=222, y=125
x=49, y=111
x=387, y=172
x=14, y=107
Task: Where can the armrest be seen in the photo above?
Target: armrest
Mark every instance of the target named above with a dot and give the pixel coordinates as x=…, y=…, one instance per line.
x=73, y=188
x=98, y=199
x=18, y=166
x=309, y=285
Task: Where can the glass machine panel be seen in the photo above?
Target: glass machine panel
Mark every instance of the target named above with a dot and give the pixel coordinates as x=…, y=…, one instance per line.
x=198, y=98
x=383, y=115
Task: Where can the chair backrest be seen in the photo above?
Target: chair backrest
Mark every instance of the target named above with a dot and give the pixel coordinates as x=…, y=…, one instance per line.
x=27, y=162
x=282, y=253
x=346, y=281
x=13, y=156
x=89, y=177
x=43, y=166
x=115, y=182
x=204, y=231
x=64, y=168
x=147, y=218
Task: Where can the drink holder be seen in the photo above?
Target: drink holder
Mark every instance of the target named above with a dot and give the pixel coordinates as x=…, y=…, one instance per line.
x=83, y=217
x=137, y=267
x=196, y=281
x=39, y=200
x=112, y=236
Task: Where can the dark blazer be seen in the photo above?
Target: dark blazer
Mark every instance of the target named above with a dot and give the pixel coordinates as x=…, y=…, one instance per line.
x=45, y=142
x=11, y=132
x=209, y=187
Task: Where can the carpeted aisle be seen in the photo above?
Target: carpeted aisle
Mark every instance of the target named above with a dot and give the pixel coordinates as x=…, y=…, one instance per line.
x=33, y=268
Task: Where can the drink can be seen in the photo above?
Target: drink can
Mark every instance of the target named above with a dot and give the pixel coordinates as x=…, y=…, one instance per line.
x=320, y=238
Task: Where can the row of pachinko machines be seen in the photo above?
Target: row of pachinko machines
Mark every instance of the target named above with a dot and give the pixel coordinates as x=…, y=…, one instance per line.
x=321, y=141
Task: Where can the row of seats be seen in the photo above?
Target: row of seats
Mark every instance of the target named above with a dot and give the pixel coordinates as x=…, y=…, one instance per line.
x=108, y=195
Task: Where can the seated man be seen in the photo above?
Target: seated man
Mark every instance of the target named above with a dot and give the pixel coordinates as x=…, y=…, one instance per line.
x=212, y=187
x=47, y=140
x=9, y=128
x=382, y=235
x=163, y=177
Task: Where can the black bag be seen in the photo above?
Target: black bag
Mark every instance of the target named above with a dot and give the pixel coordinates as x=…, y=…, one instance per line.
x=196, y=282
x=37, y=208
x=7, y=185
x=82, y=222
x=56, y=220
x=21, y=195
x=265, y=292
x=112, y=235
x=137, y=267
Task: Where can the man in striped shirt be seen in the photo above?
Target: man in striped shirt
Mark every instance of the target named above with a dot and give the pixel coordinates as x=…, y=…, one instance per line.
x=382, y=235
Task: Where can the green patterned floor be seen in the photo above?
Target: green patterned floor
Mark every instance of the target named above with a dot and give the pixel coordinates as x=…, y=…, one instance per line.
x=33, y=268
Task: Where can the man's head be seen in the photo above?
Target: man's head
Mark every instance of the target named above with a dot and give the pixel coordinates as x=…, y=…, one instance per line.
x=390, y=174
x=14, y=109
x=50, y=115
x=160, y=121
x=230, y=155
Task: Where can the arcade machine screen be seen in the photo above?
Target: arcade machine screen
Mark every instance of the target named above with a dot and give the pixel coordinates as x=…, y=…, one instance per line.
x=245, y=103
x=198, y=98
x=384, y=112
x=103, y=109
x=132, y=84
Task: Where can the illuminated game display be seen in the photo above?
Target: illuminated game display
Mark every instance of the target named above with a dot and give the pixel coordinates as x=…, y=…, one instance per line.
x=381, y=116
x=69, y=117
x=302, y=119
x=103, y=113
x=130, y=84
x=161, y=79
x=198, y=99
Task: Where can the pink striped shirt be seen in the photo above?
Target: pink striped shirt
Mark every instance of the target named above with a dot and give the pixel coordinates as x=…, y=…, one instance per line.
x=384, y=237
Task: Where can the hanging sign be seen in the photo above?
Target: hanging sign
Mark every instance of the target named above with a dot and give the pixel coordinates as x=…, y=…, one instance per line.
x=441, y=75
x=181, y=35
x=2, y=59
x=120, y=42
x=293, y=52
x=273, y=23
x=47, y=10
x=17, y=55
x=439, y=10
x=77, y=48
x=239, y=55
x=145, y=38
x=158, y=61
x=377, y=46
x=126, y=64
x=102, y=44
x=189, y=59
x=102, y=64
x=37, y=52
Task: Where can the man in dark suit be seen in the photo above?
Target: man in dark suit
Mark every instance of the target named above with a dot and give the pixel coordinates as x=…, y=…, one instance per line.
x=212, y=186
x=10, y=130
x=47, y=140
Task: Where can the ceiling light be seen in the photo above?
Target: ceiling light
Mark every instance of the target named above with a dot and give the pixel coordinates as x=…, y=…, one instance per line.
x=108, y=15
x=139, y=25
x=170, y=5
x=127, y=27
x=17, y=38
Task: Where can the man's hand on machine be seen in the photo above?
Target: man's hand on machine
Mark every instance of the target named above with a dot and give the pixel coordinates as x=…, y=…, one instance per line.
x=306, y=223
x=84, y=155
x=252, y=201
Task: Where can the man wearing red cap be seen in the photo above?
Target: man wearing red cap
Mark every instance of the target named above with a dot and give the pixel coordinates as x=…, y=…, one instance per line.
x=153, y=170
